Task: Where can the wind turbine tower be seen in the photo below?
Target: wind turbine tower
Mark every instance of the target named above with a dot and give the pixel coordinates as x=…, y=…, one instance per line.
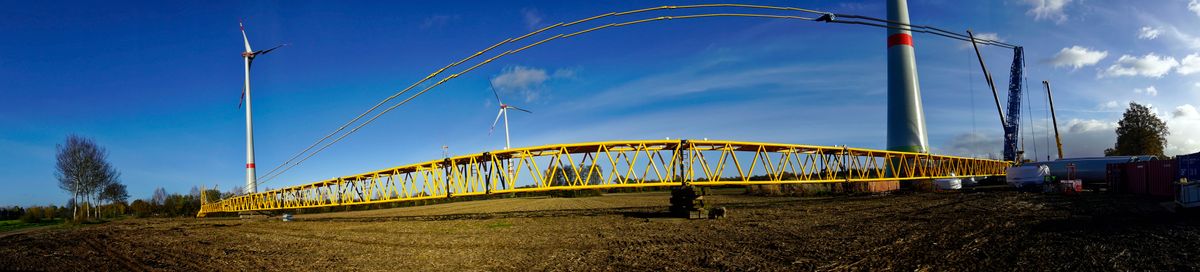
x=248, y=57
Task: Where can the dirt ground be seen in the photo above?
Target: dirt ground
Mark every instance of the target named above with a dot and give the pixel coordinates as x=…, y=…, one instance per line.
x=1000, y=230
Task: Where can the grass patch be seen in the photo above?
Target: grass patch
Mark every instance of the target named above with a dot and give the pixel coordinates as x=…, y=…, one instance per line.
x=499, y=225
x=11, y=225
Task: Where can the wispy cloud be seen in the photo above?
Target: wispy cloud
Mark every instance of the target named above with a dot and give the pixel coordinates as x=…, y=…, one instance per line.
x=1149, y=33
x=437, y=21
x=1188, y=40
x=1151, y=91
x=1111, y=105
x=529, y=82
x=532, y=17
x=715, y=77
x=1048, y=9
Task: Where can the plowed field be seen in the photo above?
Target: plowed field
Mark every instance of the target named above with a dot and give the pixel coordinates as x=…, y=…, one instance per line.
x=1000, y=230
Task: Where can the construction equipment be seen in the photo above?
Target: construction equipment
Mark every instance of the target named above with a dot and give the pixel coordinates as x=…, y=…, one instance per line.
x=1054, y=118
x=616, y=164
x=1011, y=123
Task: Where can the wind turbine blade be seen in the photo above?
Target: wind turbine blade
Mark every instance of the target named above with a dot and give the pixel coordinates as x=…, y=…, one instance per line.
x=495, y=93
x=494, y=122
x=247, y=40
x=243, y=100
x=264, y=52
x=520, y=109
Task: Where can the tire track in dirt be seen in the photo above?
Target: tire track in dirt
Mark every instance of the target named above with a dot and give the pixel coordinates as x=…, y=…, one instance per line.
x=124, y=261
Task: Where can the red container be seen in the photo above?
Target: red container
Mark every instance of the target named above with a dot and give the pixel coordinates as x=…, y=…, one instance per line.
x=1160, y=176
x=1135, y=178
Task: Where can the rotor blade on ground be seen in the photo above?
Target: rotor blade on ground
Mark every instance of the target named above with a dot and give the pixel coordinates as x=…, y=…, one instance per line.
x=494, y=122
x=520, y=109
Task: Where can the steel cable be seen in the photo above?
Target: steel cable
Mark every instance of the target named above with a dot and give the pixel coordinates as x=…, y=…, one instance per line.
x=920, y=29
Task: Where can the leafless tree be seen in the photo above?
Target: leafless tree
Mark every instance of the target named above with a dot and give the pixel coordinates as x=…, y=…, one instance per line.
x=159, y=197
x=83, y=170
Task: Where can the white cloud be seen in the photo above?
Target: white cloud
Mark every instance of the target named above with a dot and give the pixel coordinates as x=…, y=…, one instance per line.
x=529, y=82
x=1185, y=111
x=532, y=17
x=1077, y=56
x=1194, y=6
x=1149, y=33
x=1148, y=90
x=1049, y=9
x=1184, y=124
x=1150, y=65
x=1189, y=65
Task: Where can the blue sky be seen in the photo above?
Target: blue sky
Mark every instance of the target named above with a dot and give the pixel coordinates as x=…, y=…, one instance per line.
x=157, y=83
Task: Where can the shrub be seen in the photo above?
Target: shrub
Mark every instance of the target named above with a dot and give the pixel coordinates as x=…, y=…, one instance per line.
x=141, y=208
x=31, y=218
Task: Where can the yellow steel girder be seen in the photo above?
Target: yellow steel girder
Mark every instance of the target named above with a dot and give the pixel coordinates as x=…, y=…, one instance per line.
x=614, y=164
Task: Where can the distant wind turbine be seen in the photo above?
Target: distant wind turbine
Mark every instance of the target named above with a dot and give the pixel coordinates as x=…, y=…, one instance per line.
x=503, y=112
x=248, y=56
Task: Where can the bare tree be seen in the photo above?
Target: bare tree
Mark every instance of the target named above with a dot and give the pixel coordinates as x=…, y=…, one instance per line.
x=236, y=191
x=159, y=197
x=83, y=170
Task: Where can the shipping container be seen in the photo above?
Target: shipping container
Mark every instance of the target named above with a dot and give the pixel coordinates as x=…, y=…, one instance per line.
x=1161, y=176
x=1189, y=166
x=1135, y=177
x=1189, y=195
x=1115, y=177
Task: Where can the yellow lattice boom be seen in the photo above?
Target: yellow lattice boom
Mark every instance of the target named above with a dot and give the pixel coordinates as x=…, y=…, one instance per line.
x=614, y=164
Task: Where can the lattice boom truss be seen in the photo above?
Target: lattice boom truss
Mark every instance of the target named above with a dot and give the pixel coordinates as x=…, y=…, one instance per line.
x=616, y=164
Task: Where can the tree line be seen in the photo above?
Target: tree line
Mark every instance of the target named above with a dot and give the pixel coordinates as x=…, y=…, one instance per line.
x=83, y=170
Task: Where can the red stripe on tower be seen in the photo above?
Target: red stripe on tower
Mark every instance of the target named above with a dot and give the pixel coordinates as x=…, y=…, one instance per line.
x=250, y=165
x=900, y=38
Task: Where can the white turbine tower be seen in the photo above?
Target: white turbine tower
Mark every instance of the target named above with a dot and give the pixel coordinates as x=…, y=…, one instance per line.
x=248, y=56
x=503, y=112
